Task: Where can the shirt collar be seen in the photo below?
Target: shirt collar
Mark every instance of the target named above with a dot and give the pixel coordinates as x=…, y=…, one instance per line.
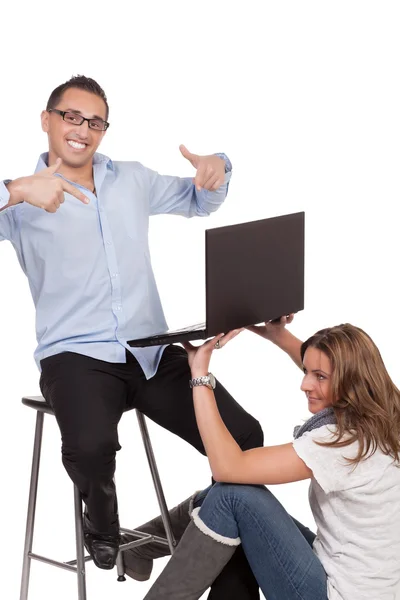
x=97, y=160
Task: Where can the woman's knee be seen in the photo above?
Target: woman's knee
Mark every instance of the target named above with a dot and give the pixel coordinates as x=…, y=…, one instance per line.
x=224, y=507
x=215, y=517
x=229, y=492
x=236, y=497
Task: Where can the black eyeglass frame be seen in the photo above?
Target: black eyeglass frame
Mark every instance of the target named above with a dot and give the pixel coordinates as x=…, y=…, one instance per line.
x=62, y=113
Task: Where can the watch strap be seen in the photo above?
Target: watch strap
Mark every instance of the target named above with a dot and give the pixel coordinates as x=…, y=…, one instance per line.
x=203, y=380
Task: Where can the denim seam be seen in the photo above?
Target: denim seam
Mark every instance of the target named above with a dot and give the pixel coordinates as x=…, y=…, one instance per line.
x=300, y=596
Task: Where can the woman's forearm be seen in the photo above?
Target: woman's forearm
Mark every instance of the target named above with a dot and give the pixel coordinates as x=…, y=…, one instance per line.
x=222, y=450
x=290, y=344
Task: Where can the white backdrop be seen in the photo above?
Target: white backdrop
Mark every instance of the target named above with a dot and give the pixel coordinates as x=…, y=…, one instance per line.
x=304, y=98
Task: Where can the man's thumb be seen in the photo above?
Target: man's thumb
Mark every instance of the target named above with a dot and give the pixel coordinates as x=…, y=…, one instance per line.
x=54, y=168
x=186, y=154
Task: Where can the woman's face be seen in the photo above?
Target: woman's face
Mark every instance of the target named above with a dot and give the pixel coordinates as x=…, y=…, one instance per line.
x=317, y=380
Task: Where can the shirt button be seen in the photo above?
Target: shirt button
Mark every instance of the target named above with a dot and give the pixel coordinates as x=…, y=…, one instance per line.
x=114, y=275
x=108, y=242
x=118, y=307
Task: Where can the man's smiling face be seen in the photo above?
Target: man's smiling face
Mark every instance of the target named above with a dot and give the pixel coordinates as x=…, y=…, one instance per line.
x=74, y=144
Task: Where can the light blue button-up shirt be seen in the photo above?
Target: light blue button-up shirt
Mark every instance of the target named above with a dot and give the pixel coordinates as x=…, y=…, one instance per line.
x=89, y=266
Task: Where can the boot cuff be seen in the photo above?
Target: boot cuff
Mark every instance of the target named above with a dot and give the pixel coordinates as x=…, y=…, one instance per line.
x=207, y=531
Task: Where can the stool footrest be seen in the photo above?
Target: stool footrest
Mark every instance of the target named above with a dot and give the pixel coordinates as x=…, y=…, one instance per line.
x=73, y=562
x=68, y=566
x=143, y=538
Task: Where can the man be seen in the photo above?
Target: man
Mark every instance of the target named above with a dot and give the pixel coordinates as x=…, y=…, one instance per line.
x=79, y=226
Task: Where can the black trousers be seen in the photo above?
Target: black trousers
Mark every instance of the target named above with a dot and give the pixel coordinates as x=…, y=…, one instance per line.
x=89, y=396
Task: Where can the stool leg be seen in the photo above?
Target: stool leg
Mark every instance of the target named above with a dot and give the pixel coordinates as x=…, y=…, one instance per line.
x=156, y=481
x=120, y=567
x=30, y=520
x=80, y=552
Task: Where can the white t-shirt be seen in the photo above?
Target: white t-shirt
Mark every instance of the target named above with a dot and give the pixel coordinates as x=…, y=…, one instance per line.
x=357, y=513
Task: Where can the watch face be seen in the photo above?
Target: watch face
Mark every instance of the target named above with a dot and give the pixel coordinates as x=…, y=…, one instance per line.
x=212, y=380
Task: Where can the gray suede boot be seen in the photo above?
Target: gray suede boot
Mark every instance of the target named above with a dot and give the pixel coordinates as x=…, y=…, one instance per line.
x=138, y=562
x=198, y=560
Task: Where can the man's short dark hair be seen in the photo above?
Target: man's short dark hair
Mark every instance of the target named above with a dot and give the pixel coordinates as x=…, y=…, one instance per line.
x=81, y=83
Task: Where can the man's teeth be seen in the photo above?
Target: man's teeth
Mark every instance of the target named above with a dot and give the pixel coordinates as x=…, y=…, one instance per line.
x=76, y=145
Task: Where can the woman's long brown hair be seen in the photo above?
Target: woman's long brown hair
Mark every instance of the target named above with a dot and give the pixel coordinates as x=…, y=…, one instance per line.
x=366, y=401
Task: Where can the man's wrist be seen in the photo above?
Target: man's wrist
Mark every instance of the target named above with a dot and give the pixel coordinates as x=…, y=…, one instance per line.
x=228, y=164
x=16, y=191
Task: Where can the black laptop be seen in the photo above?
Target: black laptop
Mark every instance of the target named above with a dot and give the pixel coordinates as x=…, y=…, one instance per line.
x=254, y=273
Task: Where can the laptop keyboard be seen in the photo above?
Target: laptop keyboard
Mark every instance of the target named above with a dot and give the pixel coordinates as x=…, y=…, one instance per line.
x=190, y=328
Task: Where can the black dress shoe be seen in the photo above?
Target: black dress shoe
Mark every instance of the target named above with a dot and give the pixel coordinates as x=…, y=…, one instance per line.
x=103, y=549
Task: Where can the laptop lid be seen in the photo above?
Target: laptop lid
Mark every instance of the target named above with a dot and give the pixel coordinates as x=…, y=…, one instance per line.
x=254, y=272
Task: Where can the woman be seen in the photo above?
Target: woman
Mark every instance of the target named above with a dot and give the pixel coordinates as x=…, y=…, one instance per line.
x=355, y=482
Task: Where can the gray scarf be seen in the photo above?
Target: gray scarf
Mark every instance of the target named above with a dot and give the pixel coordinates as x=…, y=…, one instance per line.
x=323, y=417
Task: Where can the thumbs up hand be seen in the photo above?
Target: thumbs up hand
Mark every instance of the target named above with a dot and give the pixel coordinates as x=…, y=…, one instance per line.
x=210, y=169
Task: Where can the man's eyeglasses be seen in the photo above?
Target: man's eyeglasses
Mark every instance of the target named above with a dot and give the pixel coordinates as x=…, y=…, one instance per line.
x=75, y=119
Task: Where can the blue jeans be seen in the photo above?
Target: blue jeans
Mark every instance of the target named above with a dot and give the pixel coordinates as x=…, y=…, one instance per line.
x=278, y=548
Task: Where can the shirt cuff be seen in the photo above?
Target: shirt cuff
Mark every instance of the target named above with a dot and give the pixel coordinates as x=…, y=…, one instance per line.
x=228, y=176
x=4, y=193
x=228, y=164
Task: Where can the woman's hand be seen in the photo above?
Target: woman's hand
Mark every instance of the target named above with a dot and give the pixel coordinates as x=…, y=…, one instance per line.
x=199, y=357
x=270, y=330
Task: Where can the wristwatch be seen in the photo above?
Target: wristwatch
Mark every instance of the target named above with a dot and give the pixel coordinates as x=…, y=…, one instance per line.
x=207, y=380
